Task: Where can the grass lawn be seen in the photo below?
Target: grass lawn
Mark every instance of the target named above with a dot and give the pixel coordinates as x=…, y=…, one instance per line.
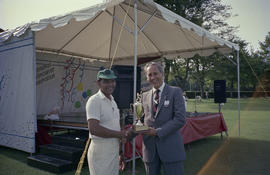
x=248, y=154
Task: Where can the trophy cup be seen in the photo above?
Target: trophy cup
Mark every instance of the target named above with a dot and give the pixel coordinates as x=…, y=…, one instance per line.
x=138, y=110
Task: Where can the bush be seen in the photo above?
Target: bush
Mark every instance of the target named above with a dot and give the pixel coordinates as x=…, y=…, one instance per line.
x=231, y=94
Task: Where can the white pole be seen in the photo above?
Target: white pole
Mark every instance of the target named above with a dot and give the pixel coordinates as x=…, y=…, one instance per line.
x=135, y=83
x=238, y=89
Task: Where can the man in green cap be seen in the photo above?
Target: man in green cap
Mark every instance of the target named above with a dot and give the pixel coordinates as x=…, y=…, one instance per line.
x=104, y=127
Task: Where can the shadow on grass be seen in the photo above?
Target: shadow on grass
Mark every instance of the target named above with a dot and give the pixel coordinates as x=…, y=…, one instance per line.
x=15, y=162
x=14, y=154
x=198, y=152
x=233, y=156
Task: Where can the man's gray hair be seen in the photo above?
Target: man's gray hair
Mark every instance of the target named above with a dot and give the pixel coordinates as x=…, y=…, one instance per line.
x=159, y=66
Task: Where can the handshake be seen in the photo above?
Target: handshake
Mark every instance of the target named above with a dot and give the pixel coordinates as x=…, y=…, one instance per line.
x=128, y=135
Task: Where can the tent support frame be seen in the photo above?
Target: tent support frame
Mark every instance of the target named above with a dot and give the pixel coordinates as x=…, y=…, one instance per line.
x=134, y=83
x=120, y=22
x=238, y=89
x=145, y=24
x=125, y=27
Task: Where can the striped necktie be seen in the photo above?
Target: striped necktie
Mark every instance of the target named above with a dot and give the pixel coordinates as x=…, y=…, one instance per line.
x=156, y=101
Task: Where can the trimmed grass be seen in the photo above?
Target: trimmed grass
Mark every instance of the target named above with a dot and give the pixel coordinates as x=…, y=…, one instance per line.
x=14, y=162
x=248, y=154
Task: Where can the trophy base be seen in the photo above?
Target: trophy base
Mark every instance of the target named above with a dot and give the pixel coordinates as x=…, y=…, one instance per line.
x=138, y=128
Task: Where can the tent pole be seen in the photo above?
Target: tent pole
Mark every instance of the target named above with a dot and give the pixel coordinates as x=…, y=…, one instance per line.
x=238, y=90
x=135, y=82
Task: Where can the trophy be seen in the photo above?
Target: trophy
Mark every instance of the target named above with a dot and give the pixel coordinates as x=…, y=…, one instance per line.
x=138, y=110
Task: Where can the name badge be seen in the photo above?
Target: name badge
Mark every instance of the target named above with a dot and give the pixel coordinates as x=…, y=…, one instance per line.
x=166, y=103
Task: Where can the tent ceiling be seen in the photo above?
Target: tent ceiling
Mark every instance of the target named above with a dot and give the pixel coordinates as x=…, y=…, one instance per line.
x=94, y=33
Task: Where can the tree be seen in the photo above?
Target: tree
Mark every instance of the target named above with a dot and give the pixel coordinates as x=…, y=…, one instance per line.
x=264, y=56
x=252, y=69
x=265, y=48
x=210, y=14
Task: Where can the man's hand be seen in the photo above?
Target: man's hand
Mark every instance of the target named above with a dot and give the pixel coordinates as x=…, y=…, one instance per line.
x=122, y=163
x=131, y=134
x=150, y=132
x=124, y=135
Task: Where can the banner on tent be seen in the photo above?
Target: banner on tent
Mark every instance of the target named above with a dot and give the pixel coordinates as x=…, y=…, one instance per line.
x=64, y=83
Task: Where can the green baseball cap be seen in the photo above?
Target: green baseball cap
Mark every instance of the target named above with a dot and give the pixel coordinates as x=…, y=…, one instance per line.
x=106, y=74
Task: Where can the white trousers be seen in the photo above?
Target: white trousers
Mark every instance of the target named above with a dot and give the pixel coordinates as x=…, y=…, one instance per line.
x=103, y=156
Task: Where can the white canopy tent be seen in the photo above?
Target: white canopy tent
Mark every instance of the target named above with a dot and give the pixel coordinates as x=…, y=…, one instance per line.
x=121, y=32
x=93, y=33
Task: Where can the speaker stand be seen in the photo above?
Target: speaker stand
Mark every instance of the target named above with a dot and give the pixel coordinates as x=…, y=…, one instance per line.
x=219, y=107
x=219, y=110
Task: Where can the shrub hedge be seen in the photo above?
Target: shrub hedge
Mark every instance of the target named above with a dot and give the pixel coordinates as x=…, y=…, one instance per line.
x=231, y=94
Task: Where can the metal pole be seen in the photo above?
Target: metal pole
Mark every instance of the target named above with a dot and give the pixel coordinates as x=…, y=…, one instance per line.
x=135, y=83
x=195, y=101
x=238, y=89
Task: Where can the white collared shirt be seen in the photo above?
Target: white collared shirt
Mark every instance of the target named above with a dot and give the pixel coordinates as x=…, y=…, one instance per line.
x=160, y=90
x=99, y=107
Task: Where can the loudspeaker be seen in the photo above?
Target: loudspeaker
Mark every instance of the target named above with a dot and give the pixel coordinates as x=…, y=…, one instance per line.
x=220, y=91
x=123, y=93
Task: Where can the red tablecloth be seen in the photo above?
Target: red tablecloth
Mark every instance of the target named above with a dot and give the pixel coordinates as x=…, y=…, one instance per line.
x=202, y=126
x=128, y=147
x=195, y=128
x=42, y=136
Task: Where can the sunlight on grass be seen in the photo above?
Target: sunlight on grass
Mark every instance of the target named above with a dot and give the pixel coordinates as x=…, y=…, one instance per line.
x=245, y=155
x=239, y=157
x=212, y=162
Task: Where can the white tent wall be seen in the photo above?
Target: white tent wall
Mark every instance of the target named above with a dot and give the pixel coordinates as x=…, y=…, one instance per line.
x=17, y=93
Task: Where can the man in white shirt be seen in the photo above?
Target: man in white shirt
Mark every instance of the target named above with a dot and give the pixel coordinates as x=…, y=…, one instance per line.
x=104, y=127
